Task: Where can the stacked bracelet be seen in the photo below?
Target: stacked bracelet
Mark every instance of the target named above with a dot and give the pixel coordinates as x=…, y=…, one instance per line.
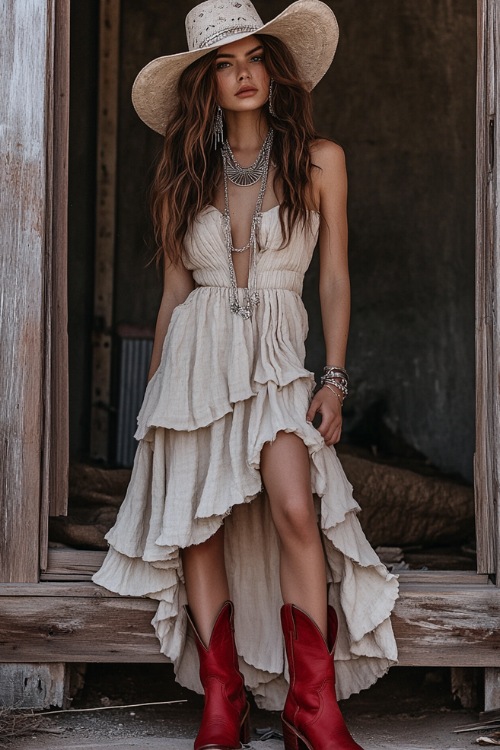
x=338, y=377
x=327, y=385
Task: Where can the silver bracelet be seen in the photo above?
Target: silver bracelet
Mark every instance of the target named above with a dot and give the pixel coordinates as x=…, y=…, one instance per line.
x=327, y=385
x=330, y=371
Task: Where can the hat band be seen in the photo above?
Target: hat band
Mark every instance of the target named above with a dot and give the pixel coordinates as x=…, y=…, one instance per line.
x=214, y=38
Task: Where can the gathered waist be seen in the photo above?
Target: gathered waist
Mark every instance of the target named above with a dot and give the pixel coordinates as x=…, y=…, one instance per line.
x=285, y=280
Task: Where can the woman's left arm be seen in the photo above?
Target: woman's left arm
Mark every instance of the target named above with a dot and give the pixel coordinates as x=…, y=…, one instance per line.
x=330, y=192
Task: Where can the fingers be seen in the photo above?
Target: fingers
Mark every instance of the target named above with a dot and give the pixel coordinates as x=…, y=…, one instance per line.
x=313, y=408
x=331, y=417
x=332, y=432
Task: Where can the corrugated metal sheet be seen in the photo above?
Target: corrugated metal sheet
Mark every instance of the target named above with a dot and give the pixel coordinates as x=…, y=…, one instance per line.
x=135, y=355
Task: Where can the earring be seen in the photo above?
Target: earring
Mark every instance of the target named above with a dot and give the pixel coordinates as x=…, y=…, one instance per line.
x=218, y=128
x=271, y=92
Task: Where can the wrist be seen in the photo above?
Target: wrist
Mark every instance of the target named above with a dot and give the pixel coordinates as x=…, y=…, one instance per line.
x=336, y=392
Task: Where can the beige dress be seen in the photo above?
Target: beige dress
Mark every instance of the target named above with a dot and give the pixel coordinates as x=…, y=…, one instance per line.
x=225, y=387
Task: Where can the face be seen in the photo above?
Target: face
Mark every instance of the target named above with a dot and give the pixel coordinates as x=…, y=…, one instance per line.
x=241, y=75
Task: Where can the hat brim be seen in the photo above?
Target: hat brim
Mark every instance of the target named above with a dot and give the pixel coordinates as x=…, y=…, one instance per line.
x=308, y=27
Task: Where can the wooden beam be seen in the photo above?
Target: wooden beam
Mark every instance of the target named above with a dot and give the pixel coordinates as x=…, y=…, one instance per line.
x=435, y=625
x=487, y=457
x=25, y=30
x=72, y=565
x=35, y=686
x=55, y=464
x=107, y=138
x=59, y=388
x=67, y=564
x=491, y=689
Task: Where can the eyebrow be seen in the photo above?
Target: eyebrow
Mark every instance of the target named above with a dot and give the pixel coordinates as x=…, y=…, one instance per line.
x=255, y=49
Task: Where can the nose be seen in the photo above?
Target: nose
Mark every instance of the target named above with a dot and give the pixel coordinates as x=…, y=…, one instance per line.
x=243, y=72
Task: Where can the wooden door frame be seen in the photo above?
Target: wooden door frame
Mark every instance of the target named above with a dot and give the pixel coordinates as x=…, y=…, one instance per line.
x=487, y=456
x=34, y=370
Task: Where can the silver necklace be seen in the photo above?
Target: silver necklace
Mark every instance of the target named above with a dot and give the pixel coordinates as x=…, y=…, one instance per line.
x=245, y=176
x=251, y=295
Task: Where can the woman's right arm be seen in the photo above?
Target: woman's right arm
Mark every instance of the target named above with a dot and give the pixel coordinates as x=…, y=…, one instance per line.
x=177, y=284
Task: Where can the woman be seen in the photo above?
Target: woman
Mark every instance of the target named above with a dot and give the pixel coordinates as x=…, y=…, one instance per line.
x=235, y=496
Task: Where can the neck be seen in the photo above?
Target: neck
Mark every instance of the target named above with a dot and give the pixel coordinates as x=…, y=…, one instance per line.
x=246, y=131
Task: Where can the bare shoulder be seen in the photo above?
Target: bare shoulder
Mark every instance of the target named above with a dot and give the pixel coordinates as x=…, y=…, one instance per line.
x=329, y=179
x=327, y=155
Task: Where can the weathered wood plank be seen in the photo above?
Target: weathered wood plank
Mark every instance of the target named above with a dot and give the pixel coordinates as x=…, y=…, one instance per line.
x=491, y=689
x=55, y=466
x=443, y=577
x=26, y=74
x=487, y=457
x=447, y=625
x=59, y=428
x=72, y=564
x=64, y=564
x=107, y=135
x=35, y=686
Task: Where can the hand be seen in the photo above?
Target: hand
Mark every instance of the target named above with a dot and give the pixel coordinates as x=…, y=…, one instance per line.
x=328, y=405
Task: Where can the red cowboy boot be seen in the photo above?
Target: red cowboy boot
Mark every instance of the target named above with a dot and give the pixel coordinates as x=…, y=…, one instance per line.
x=311, y=717
x=225, y=715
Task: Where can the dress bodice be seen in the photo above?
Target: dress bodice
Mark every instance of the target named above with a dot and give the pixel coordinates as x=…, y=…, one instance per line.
x=206, y=251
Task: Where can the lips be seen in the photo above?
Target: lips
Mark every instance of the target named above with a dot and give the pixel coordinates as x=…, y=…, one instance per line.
x=246, y=90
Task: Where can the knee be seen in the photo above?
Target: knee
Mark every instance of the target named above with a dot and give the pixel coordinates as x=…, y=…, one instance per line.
x=295, y=519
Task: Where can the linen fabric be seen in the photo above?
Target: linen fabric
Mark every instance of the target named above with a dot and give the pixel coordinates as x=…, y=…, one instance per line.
x=224, y=388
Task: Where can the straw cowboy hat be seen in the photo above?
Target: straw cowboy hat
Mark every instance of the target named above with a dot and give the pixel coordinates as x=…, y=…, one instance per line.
x=308, y=27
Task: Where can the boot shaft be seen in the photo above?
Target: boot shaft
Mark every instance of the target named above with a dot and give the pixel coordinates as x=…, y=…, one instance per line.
x=309, y=659
x=219, y=660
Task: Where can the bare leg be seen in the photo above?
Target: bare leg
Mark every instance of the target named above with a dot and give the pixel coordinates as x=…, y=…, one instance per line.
x=286, y=475
x=206, y=582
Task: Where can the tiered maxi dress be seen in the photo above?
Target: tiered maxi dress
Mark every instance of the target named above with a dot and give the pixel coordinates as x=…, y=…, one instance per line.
x=224, y=388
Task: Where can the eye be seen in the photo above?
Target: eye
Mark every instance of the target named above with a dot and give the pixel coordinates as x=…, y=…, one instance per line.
x=221, y=65
x=257, y=58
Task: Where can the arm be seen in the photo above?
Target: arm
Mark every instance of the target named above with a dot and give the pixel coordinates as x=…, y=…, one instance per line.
x=330, y=187
x=177, y=284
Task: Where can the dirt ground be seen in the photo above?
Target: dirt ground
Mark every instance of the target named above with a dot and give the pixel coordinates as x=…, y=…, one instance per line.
x=410, y=708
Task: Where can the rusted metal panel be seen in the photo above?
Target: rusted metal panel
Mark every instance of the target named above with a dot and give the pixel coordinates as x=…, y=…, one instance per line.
x=135, y=356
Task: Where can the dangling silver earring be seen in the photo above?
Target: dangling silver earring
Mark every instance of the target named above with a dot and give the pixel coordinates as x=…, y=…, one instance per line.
x=271, y=92
x=218, y=128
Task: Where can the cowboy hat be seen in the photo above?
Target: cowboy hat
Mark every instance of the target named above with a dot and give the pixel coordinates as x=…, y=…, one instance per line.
x=308, y=27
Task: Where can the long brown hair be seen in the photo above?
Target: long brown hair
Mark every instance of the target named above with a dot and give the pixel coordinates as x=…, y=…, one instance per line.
x=189, y=169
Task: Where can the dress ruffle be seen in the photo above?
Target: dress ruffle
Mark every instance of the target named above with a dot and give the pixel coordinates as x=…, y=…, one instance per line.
x=197, y=467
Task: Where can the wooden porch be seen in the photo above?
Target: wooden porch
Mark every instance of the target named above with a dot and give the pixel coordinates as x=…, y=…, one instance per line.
x=440, y=619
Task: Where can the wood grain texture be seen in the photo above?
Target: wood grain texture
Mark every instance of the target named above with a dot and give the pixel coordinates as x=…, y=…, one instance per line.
x=36, y=686
x=107, y=137
x=59, y=427
x=435, y=625
x=492, y=689
x=26, y=75
x=487, y=457
x=55, y=466
x=66, y=564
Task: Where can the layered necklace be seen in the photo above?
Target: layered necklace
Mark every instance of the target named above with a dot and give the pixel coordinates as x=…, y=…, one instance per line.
x=243, y=177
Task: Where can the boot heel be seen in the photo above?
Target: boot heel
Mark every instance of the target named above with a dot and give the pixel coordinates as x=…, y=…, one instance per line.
x=245, y=727
x=290, y=738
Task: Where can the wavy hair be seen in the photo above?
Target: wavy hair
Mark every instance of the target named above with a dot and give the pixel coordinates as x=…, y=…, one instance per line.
x=189, y=169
